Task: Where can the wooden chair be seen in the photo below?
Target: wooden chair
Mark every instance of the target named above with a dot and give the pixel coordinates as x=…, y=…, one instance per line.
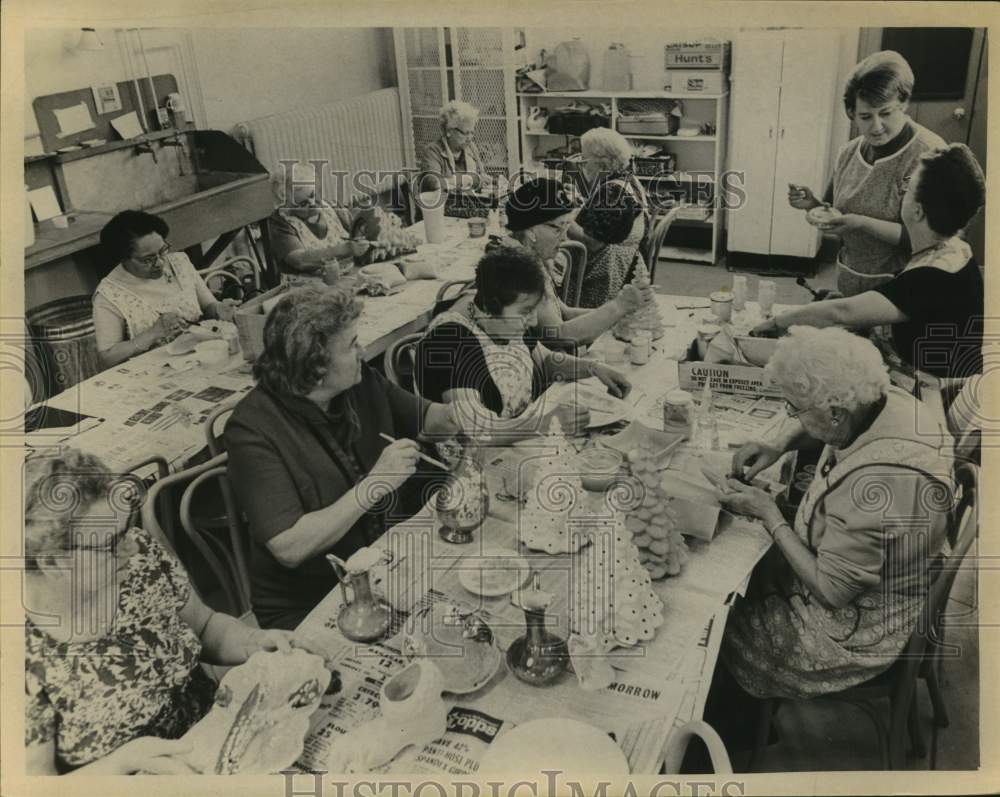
x=213, y=430
x=917, y=660
x=400, y=361
x=448, y=294
x=681, y=737
x=215, y=553
x=572, y=284
x=654, y=241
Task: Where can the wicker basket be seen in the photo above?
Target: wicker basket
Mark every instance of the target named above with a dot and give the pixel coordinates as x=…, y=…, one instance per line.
x=250, y=319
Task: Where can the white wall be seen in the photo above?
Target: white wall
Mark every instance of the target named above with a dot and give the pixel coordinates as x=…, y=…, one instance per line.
x=229, y=74
x=248, y=73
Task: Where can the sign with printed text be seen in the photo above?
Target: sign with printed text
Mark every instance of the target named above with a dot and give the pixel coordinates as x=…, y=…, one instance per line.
x=746, y=380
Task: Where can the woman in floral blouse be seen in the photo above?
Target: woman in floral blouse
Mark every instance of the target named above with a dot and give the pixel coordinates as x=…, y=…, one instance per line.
x=114, y=633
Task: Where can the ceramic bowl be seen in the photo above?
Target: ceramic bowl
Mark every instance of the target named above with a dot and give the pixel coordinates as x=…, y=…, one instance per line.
x=756, y=350
x=822, y=216
x=599, y=467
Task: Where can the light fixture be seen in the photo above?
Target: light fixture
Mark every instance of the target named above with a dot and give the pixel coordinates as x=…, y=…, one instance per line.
x=89, y=40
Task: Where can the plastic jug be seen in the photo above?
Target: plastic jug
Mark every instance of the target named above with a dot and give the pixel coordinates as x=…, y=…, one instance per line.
x=617, y=69
x=432, y=205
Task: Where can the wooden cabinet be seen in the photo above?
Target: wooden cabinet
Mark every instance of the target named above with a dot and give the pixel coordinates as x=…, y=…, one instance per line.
x=784, y=95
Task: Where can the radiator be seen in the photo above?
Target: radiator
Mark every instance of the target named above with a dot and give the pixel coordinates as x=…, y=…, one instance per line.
x=360, y=134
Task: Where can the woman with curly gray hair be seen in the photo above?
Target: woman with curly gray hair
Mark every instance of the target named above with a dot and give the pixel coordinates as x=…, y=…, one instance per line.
x=613, y=219
x=114, y=633
x=841, y=592
x=306, y=456
x=453, y=162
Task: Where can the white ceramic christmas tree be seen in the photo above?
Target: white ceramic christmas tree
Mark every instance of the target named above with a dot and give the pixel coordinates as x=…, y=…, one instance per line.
x=544, y=522
x=613, y=600
x=662, y=549
x=646, y=318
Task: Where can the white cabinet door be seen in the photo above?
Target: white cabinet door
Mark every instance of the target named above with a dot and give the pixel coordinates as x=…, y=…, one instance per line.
x=755, y=86
x=808, y=102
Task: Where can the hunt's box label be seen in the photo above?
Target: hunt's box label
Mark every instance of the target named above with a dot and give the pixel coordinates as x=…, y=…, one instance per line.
x=696, y=55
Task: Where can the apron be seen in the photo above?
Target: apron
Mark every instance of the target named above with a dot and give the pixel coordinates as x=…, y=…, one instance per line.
x=142, y=312
x=334, y=232
x=511, y=366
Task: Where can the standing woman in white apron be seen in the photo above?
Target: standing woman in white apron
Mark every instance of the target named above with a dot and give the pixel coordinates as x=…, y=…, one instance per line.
x=869, y=175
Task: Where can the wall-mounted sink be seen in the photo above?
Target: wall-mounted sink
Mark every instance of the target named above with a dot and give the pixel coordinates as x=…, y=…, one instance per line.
x=202, y=182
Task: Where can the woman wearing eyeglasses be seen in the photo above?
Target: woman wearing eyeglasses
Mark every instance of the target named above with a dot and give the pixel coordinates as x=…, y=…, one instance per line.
x=152, y=294
x=115, y=633
x=838, y=596
x=867, y=183
x=453, y=162
x=307, y=234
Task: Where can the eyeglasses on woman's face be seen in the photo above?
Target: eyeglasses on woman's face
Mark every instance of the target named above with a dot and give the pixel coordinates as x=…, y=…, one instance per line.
x=151, y=260
x=794, y=412
x=464, y=132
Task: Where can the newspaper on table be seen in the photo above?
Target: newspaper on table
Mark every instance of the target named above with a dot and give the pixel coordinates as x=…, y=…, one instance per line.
x=637, y=710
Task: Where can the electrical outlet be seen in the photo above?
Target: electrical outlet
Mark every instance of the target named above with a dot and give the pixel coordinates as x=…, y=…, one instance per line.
x=163, y=118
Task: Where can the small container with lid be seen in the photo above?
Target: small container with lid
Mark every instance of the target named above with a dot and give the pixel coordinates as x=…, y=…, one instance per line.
x=641, y=348
x=722, y=305
x=678, y=412
x=706, y=332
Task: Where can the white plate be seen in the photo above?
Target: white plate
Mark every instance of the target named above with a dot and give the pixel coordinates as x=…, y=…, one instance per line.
x=604, y=408
x=497, y=571
x=575, y=748
x=629, y=439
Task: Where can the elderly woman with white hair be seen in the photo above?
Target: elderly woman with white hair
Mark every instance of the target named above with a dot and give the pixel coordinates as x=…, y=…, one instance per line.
x=836, y=601
x=613, y=220
x=307, y=233
x=453, y=162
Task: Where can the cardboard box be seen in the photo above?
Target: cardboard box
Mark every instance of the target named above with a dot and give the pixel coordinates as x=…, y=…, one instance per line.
x=250, y=319
x=697, y=55
x=695, y=81
x=746, y=380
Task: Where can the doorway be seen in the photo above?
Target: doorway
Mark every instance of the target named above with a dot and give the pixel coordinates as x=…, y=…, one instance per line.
x=952, y=102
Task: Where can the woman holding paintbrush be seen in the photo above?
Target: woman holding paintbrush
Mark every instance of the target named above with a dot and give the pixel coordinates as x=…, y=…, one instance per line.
x=309, y=456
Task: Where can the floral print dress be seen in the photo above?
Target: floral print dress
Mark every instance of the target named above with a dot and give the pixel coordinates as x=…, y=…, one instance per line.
x=142, y=679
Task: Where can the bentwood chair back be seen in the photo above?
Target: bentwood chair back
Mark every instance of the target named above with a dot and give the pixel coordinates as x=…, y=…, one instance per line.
x=919, y=659
x=680, y=738
x=226, y=570
x=400, y=361
x=654, y=242
x=572, y=284
x=449, y=293
x=215, y=425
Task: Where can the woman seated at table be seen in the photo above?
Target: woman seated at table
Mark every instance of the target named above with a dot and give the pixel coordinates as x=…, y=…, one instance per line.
x=113, y=698
x=453, y=162
x=935, y=305
x=308, y=234
x=836, y=600
x=151, y=295
x=306, y=456
x=478, y=356
x=614, y=216
x=539, y=214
